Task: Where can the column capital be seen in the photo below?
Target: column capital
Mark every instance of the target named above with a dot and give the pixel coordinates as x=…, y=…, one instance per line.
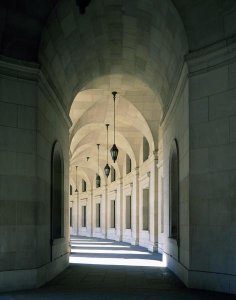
x=120, y=181
x=155, y=154
x=136, y=171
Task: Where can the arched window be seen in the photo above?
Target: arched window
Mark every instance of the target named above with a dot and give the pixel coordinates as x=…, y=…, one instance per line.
x=174, y=191
x=98, y=182
x=146, y=207
x=128, y=212
x=128, y=164
x=113, y=213
x=113, y=174
x=57, y=193
x=98, y=215
x=71, y=191
x=84, y=186
x=145, y=149
x=71, y=217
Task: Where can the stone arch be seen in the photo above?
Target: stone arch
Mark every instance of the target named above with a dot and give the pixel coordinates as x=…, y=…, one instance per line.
x=109, y=49
x=120, y=39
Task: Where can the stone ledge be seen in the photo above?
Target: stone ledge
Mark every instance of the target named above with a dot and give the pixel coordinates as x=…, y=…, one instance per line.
x=214, y=56
x=20, y=70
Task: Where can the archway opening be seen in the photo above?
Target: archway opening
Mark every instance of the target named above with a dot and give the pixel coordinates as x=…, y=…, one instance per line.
x=143, y=64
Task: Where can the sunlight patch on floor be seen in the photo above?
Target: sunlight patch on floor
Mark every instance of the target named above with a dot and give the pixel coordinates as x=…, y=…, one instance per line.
x=117, y=262
x=82, y=242
x=105, y=252
x=98, y=246
x=109, y=251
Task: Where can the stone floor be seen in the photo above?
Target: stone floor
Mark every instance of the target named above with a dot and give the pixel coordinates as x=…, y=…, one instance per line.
x=104, y=269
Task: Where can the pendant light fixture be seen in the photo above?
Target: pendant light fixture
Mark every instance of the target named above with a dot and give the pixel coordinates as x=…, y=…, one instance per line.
x=98, y=178
x=114, y=150
x=76, y=190
x=107, y=167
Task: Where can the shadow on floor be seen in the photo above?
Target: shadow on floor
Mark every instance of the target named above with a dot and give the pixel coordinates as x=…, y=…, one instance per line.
x=87, y=277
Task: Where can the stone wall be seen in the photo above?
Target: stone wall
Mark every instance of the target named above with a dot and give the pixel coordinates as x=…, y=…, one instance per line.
x=29, y=125
x=212, y=167
x=175, y=126
x=18, y=197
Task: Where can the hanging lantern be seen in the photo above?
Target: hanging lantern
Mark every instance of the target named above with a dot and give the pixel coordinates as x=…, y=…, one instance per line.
x=107, y=170
x=114, y=150
x=107, y=167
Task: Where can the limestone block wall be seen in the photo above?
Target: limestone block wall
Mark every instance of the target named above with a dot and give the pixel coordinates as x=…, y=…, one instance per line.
x=175, y=126
x=18, y=179
x=51, y=127
x=29, y=126
x=213, y=167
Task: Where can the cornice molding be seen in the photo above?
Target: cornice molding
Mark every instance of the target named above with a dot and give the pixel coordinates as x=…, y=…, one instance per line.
x=19, y=70
x=211, y=57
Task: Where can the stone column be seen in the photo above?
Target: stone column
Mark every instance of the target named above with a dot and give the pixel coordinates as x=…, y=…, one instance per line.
x=78, y=213
x=153, y=203
x=74, y=205
x=90, y=199
x=119, y=210
x=105, y=216
x=135, y=208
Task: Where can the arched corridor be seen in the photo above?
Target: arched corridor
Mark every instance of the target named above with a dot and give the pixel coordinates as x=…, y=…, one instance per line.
x=104, y=269
x=118, y=124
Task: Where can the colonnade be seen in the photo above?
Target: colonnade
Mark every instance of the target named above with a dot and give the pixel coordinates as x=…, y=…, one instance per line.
x=123, y=210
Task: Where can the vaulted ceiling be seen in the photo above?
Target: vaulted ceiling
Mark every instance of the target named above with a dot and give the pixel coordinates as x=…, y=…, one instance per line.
x=22, y=22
